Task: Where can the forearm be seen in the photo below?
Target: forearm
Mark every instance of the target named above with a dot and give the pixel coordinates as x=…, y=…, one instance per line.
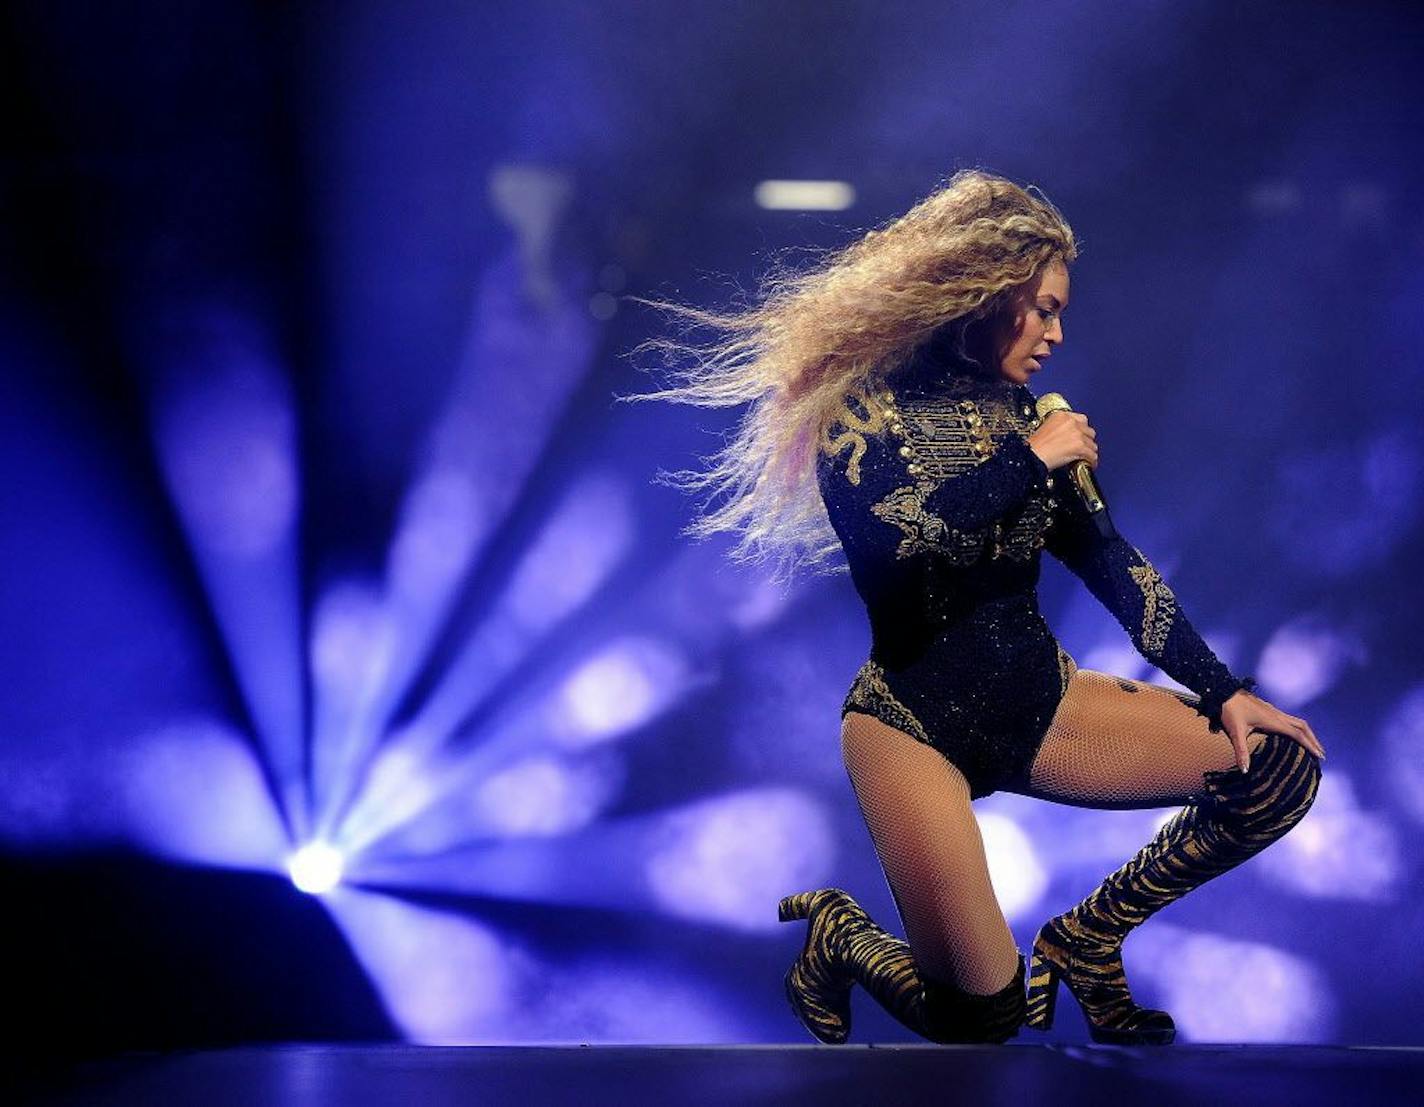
x=1130, y=587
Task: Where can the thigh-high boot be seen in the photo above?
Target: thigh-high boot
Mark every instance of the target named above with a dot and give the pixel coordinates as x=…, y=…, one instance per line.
x=1237, y=815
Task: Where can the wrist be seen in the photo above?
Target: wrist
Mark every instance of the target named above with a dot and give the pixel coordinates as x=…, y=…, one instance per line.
x=1213, y=701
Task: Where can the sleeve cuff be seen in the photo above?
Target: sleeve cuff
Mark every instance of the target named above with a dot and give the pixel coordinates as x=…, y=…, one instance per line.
x=1210, y=702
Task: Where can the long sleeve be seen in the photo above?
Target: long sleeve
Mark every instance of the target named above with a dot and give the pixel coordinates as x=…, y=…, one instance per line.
x=1128, y=585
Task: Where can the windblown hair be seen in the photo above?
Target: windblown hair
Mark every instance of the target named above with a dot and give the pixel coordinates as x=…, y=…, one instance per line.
x=948, y=272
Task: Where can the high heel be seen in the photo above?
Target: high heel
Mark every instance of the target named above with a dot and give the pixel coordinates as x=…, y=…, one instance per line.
x=1042, y=991
x=845, y=947
x=817, y=989
x=1097, y=982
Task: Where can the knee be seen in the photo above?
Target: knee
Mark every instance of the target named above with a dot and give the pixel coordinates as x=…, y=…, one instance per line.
x=1274, y=793
x=953, y=1017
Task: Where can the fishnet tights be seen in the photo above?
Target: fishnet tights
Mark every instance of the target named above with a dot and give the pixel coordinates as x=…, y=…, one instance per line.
x=1113, y=743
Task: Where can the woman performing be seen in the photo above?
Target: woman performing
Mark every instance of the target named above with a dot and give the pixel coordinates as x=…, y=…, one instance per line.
x=891, y=418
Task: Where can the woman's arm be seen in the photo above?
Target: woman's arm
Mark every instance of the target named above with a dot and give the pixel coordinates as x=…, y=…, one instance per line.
x=1128, y=585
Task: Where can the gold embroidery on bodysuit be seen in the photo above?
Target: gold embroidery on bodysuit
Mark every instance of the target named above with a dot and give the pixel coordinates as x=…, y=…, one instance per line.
x=924, y=530
x=856, y=428
x=1024, y=538
x=869, y=693
x=944, y=437
x=1159, y=606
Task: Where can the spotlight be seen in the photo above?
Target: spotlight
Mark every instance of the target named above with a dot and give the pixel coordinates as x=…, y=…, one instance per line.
x=804, y=195
x=316, y=868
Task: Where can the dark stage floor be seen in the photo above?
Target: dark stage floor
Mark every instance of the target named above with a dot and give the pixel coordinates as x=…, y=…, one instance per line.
x=350, y=1076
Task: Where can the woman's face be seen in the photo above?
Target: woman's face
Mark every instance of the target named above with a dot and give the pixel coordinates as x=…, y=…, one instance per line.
x=1035, y=326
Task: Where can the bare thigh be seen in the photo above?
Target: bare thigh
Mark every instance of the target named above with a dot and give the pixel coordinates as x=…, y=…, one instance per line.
x=1118, y=743
x=917, y=808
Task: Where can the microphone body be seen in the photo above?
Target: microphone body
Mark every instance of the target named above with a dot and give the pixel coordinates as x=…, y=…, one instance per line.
x=1080, y=473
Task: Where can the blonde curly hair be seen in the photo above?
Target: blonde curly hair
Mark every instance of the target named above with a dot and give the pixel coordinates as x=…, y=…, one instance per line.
x=948, y=271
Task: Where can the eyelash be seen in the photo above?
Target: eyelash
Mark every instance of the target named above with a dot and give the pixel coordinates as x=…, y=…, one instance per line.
x=1047, y=313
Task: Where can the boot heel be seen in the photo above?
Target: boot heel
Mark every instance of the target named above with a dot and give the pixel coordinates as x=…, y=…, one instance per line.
x=1042, y=991
x=795, y=907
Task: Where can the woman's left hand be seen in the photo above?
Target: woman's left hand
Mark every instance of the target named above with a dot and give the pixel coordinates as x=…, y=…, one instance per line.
x=1245, y=711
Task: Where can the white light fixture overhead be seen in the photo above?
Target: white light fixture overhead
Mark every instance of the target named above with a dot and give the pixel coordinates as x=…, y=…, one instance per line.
x=805, y=195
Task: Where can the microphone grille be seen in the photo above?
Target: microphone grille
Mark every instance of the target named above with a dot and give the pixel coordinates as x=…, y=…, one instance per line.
x=1050, y=401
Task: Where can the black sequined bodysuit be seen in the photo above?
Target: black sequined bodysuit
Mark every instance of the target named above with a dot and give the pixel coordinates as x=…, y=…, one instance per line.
x=942, y=509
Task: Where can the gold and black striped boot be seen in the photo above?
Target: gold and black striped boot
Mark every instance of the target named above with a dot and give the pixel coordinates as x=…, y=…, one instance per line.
x=1237, y=816
x=817, y=984
x=845, y=946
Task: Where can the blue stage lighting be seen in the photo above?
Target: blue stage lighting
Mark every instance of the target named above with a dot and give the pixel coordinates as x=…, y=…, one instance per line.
x=1019, y=876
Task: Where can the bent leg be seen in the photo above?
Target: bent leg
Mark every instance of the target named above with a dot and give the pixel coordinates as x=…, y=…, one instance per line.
x=1115, y=743
x=917, y=808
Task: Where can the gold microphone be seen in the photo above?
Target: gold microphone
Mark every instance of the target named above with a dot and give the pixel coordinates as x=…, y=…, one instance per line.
x=1080, y=472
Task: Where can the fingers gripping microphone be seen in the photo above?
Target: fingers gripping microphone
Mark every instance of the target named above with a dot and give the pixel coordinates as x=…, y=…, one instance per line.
x=1080, y=473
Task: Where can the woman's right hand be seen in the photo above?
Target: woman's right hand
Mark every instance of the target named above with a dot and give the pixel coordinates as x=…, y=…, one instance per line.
x=1062, y=437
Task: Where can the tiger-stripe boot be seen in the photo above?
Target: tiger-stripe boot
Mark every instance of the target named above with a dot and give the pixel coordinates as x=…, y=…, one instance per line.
x=844, y=946
x=1236, y=817
x=817, y=985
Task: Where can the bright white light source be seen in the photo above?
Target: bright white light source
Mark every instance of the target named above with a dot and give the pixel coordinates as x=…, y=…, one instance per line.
x=316, y=868
x=805, y=195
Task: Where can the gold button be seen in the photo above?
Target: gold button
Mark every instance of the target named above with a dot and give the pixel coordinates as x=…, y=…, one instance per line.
x=1048, y=482
x=912, y=469
x=888, y=397
x=905, y=451
x=1027, y=410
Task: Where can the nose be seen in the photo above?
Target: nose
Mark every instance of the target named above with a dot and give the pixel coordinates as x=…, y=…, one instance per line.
x=1054, y=334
